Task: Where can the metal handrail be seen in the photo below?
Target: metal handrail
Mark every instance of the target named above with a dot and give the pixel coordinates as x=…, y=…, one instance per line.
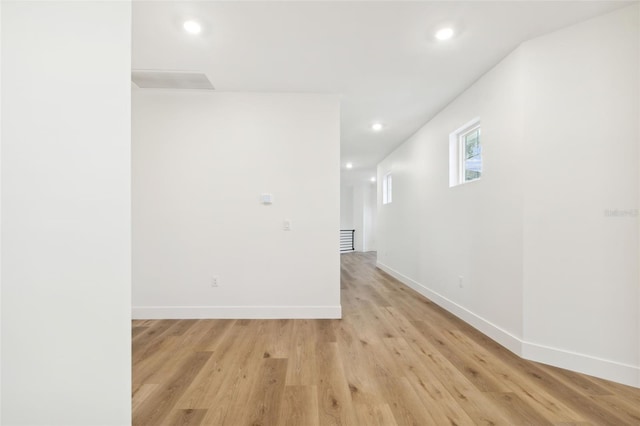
x=347, y=240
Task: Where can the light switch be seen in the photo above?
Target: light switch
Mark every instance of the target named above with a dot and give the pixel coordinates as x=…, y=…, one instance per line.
x=286, y=225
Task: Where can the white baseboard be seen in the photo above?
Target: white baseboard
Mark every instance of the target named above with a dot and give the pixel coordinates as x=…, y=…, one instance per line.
x=236, y=312
x=610, y=370
x=506, y=339
x=593, y=366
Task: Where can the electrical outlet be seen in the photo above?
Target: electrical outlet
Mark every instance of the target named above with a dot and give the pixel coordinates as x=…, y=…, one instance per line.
x=461, y=281
x=214, y=281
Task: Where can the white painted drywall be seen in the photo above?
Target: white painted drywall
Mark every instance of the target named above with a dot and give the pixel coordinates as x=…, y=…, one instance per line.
x=0, y=209
x=638, y=295
x=66, y=234
x=346, y=206
x=370, y=213
x=433, y=234
x=200, y=162
x=581, y=110
x=358, y=216
x=358, y=211
x=545, y=272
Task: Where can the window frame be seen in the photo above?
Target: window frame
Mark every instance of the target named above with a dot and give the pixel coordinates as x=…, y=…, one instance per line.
x=457, y=145
x=387, y=188
x=462, y=149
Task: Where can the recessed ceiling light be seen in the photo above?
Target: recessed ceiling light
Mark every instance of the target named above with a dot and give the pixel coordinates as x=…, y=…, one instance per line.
x=373, y=179
x=376, y=127
x=444, y=34
x=192, y=27
x=349, y=166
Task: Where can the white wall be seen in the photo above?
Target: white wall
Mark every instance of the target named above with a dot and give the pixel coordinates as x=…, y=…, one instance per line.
x=358, y=216
x=580, y=265
x=358, y=211
x=66, y=213
x=370, y=214
x=0, y=209
x=431, y=234
x=200, y=162
x=346, y=207
x=545, y=272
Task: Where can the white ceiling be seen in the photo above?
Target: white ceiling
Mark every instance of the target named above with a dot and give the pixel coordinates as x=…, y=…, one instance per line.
x=380, y=56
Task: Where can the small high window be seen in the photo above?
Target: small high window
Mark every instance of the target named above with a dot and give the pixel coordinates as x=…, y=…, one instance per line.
x=465, y=153
x=471, y=155
x=387, y=189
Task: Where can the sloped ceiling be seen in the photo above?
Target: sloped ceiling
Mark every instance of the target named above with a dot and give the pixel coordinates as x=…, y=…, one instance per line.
x=380, y=56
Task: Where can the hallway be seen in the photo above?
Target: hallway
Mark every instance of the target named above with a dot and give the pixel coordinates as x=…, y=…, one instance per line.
x=394, y=359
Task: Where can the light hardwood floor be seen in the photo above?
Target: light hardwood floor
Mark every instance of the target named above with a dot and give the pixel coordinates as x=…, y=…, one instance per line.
x=394, y=359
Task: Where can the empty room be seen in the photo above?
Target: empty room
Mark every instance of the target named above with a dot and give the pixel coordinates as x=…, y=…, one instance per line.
x=319, y=213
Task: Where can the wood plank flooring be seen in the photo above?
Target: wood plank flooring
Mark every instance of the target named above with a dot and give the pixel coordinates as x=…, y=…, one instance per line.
x=394, y=359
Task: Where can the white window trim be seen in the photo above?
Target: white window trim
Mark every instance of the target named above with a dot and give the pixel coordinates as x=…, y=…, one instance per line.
x=387, y=188
x=461, y=151
x=456, y=153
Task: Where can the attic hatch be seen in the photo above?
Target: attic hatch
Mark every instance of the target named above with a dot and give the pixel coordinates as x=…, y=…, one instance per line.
x=154, y=79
